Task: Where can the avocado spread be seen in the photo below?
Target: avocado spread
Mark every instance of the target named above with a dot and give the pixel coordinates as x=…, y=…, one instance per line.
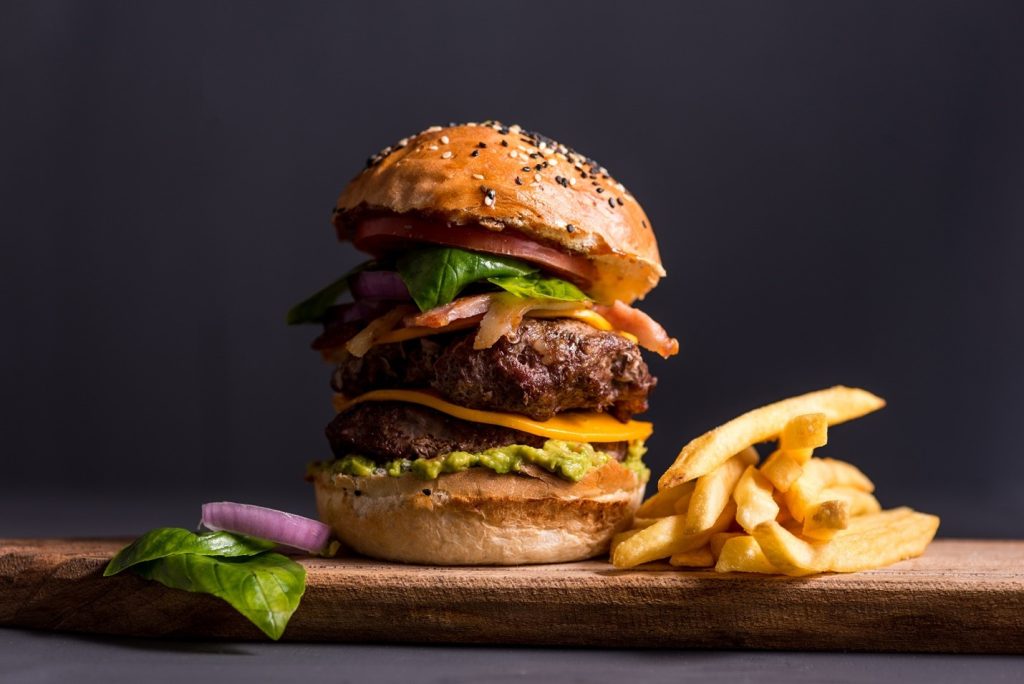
x=570, y=460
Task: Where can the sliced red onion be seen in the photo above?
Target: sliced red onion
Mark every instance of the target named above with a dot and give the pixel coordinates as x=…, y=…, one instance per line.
x=286, y=529
x=359, y=311
x=386, y=285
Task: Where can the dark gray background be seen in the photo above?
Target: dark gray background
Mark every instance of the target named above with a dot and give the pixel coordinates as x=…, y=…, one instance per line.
x=837, y=189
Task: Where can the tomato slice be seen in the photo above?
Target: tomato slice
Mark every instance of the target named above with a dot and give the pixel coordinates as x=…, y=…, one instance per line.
x=384, y=234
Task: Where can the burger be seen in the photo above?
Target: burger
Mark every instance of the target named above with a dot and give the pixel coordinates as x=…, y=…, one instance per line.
x=487, y=368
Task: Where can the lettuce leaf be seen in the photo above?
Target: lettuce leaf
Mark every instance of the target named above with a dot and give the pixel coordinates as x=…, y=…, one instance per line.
x=313, y=308
x=436, y=275
x=536, y=286
x=264, y=587
x=171, y=541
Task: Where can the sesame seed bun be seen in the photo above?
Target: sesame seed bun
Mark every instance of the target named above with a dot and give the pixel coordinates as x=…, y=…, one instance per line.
x=478, y=517
x=505, y=178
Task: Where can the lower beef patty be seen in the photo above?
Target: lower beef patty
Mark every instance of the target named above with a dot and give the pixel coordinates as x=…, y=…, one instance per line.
x=545, y=367
x=385, y=431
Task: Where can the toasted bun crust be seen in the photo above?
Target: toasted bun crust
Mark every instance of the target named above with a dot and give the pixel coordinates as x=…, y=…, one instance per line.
x=477, y=517
x=435, y=173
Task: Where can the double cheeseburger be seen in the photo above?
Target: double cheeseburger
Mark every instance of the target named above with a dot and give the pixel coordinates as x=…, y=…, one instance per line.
x=487, y=368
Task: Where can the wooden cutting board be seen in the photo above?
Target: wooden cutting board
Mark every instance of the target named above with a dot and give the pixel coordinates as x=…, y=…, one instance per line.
x=962, y=596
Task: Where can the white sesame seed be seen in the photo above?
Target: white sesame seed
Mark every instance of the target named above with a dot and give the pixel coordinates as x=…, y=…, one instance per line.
x=514, y=128
x=403, y=142
x=537, y=177
x=488, y=201
x=620, y=187
x=432, y=148
x=542, y=145
x=513, y=154
x=444, y=139
x=561, y=155
x=471, y=124
x=572, y=181
x=432, y=129
x=522, y=148
x=446, y=155
x=552, y=162
x=478, y=176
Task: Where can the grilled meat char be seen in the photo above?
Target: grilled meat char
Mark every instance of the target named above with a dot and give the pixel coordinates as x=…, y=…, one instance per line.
x=389, y=430
x=544, y=368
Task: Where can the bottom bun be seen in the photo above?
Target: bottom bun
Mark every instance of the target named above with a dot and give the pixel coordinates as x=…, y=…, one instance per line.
x=478, y=517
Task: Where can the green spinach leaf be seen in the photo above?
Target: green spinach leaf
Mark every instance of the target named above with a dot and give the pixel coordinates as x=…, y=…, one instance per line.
x=538, y=287
x=265, y=588
x=313, y=308
x=436, y=275
x=171, y=541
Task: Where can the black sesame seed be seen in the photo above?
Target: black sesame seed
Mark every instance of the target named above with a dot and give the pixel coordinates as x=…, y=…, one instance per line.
x=358, y=492
x=534, y=155
x=611, y=203
x=538, y=167
x=481, y=145
x=426, y=492
x=518, y=181
x=643, y=222
x=569, y=227
x=618, y=200
x=490, y=194
x=526, y=169
x=504, y=143
x=583, y=174
x=474, y=153
x=600, y=189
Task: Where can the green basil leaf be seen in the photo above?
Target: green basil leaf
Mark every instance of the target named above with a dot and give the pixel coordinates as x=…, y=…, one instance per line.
x=170, y=541
x=313, y=308
x=538, y=287
x=436, y=275
x=265, y=588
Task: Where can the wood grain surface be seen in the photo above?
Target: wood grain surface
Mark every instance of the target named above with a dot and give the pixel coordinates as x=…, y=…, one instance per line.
x=961, y=597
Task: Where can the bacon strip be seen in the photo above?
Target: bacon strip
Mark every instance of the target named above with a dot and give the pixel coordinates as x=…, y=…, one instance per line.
x=649, y=333
x=440, y=316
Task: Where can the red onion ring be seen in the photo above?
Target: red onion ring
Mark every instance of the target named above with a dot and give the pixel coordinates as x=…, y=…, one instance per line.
x=379, y=285
x=286, y=529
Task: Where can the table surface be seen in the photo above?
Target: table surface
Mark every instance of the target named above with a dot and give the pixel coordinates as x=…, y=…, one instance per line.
x=27, y=656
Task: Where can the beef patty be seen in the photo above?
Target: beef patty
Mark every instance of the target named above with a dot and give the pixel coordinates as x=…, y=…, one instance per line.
x=389, y=430
x=545, y=367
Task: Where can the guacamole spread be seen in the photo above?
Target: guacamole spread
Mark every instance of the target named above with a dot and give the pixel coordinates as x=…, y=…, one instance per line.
x=570, y=460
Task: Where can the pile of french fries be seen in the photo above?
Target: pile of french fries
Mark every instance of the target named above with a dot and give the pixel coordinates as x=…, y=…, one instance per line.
x=794, y=514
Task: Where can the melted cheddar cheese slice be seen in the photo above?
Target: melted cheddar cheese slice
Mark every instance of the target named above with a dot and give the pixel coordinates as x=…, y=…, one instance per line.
x=573, y=426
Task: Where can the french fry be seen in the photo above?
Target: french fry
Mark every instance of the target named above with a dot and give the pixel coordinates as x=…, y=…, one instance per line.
x=875, y=541
x=741, y=553
x=860, y=502
x=707, y=452
x=803, y=434
x=825, y=518
x=717, y=541
x=843, y=474
x=818, y=474
x=789, y=554
x=620, y=537
x=782, y=470
x=640, y=523
x=663, y=503
x=883, y=544
x=697, y=558
x=714, y=491
x=665, y=538
x=754, y=501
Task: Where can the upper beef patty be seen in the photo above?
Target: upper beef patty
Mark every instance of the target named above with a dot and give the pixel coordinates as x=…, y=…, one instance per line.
x=545, y=367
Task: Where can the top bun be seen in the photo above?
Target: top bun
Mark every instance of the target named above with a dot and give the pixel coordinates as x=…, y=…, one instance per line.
x=503, y=177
